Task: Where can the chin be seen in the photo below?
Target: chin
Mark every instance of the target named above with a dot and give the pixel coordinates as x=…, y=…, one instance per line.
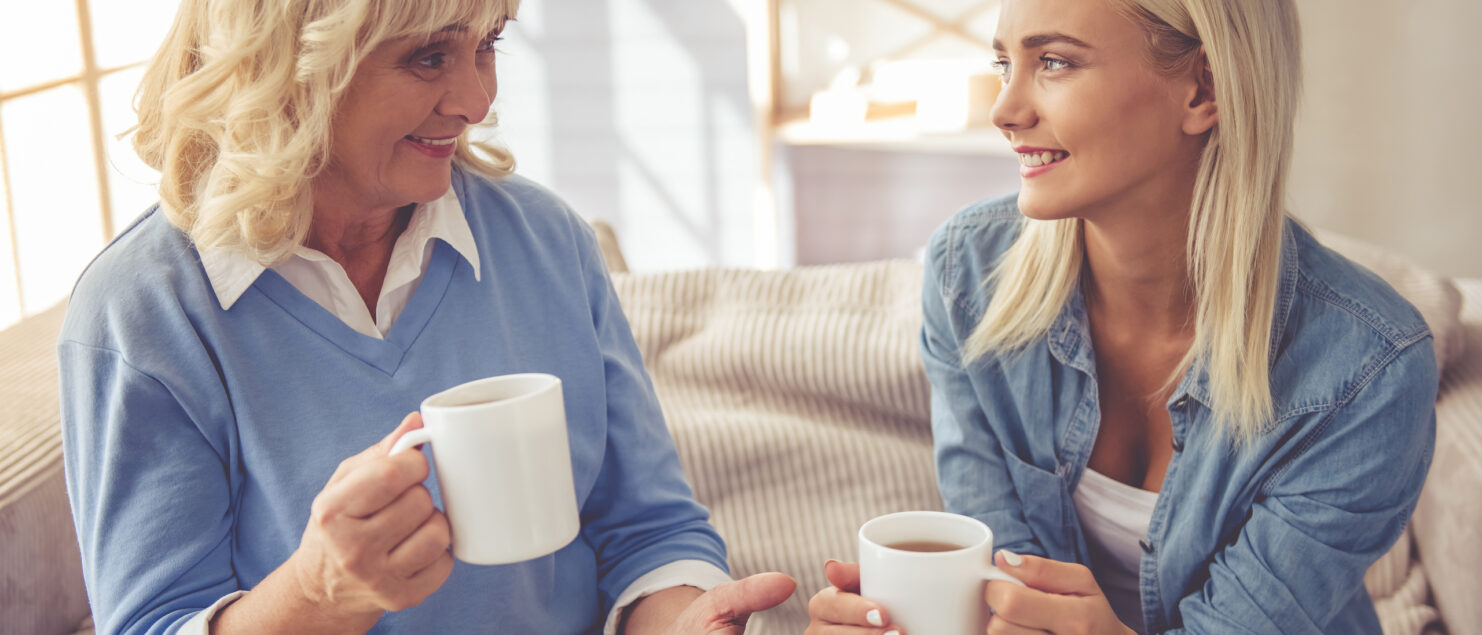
x=1038, y=206
x=431, y=185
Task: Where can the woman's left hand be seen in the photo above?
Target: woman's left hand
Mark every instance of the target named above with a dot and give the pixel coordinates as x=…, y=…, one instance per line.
x=1060, y=597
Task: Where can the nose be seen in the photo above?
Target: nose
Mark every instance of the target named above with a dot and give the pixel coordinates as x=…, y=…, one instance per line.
x=1014, y=110
x=470, y=91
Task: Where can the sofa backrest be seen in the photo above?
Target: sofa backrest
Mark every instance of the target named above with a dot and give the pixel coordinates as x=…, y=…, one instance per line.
x=41, y=588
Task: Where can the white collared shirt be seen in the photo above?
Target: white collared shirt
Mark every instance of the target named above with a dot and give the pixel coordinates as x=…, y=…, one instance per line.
x=325, y=282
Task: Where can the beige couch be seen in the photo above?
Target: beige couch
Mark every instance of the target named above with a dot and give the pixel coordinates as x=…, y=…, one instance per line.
x=800, y=410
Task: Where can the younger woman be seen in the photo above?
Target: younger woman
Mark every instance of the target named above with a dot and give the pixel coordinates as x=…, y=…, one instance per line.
x=1175, y=409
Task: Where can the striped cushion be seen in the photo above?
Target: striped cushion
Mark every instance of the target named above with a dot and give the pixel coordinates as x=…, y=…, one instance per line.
x=799, y=405
x=1447, y=520
x=41, y=576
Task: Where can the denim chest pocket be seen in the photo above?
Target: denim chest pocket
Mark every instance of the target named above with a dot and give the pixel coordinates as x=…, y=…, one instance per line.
x=1044, y=498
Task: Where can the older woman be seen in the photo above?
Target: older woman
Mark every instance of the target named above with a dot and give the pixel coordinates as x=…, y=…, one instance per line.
x=1175, y=409
x=330, y=250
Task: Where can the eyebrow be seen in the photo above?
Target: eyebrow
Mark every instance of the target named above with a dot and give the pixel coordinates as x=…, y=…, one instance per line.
x=1039, y=41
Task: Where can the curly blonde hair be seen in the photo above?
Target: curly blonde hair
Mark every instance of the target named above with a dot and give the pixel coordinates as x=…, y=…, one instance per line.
x=1253, y=50
x=236, y=107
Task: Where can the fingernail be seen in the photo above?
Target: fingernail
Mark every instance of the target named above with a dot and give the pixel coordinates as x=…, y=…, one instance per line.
x=873, y=617
x=892, y=632
x=830, y=561
x=1011, y=558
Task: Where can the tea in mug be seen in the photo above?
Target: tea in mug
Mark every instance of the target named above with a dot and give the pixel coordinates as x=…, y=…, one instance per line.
x=925, y=546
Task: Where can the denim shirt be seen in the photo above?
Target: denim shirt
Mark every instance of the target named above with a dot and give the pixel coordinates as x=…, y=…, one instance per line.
x=1270, y=537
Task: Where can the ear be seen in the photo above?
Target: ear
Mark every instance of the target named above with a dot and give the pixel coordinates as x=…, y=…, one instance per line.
x=1201, y=111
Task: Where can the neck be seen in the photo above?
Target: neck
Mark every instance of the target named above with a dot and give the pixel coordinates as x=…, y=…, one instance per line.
x=345, y=228
x=358, y=237
x=1137, y=270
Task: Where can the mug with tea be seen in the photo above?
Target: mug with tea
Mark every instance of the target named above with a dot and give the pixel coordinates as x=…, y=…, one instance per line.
x=503, y=463
x=929, y=570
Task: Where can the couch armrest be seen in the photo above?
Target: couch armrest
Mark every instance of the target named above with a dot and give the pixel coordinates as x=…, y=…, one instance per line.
x=1449, y=513
x=41, y=589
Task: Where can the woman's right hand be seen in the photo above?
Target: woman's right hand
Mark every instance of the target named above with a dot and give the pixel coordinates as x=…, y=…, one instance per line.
x=374, y=542
x=840, y=610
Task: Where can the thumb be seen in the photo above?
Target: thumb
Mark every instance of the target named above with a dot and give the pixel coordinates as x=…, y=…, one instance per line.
x=379, y=449
x=843, y=575
x=409, y=423
x=738, y=600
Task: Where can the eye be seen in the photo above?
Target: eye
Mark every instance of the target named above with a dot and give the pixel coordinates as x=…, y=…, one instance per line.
x=1002, y=67
x=1054, y=64
x=488, y=45
x=432, y=61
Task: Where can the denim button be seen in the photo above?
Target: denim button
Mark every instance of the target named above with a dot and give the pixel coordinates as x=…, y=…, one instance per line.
x=1182, y=401
x=1178, y=446
x=1147, y=547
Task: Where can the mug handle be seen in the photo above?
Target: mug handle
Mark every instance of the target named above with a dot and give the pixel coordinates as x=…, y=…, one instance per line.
x=415, y=437
x=990, y=573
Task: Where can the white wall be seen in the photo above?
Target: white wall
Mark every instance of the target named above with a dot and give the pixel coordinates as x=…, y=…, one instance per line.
x=1389, y=136
x=637, y=112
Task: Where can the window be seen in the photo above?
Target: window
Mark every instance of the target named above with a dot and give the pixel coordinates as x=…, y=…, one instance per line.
x=68, y=183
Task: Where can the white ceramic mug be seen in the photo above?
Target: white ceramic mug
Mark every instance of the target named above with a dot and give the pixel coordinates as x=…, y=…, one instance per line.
x=503, y=463
x=938, y=592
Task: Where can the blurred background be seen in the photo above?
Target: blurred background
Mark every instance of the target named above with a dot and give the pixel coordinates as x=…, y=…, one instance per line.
x=762, y=133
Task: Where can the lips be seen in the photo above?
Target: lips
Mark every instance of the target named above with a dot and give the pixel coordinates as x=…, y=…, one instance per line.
x=438, y=148
x=433, y=142
x=1031, y=157
x=1036, y=159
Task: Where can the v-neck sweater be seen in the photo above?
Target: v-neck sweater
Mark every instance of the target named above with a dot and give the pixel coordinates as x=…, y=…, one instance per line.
x=195, y=438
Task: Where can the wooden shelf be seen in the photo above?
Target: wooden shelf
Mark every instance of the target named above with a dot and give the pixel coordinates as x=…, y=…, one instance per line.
x=898, y=134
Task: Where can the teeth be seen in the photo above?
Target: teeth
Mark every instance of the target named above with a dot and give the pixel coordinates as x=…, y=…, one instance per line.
x=1036, y=159
x=434, y=142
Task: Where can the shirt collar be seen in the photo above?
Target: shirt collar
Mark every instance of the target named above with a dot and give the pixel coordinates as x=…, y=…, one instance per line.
x=1195, y=383
x=231, y=271
x=1070, y=336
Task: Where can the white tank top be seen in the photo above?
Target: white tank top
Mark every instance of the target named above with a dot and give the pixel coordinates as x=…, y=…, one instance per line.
x=1114, y=517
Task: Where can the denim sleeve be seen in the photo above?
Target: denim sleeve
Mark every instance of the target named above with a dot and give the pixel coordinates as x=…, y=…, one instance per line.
x=1320, y=521
x=149, y=495
x=641, y=513
x=971, y=471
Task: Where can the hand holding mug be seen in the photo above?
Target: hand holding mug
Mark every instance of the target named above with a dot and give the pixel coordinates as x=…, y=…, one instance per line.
x=1058, y=597
x=839, y=609
x=374, y=541
x=503, y=464
x=919, y=572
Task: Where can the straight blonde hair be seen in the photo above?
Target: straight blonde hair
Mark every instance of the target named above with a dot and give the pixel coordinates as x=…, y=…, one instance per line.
x=1233, y=249
x=236, y=107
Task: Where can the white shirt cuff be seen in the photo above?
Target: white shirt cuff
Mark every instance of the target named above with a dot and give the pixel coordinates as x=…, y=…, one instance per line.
x=695, y=573
x=200, y=623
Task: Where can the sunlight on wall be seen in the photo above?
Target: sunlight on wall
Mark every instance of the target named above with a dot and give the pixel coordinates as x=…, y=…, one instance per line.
x=658, y=102
x=637, y=112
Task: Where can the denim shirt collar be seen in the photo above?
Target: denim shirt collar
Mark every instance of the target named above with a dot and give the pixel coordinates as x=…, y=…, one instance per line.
x=1070, y=335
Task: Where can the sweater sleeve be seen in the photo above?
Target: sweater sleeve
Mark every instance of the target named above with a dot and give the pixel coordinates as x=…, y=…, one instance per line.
x=641, y=514
x=149, y=494
x=1322, y=520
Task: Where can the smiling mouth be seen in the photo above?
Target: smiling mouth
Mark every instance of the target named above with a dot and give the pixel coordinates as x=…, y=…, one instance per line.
x=433, y=142
x=1037, y=159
